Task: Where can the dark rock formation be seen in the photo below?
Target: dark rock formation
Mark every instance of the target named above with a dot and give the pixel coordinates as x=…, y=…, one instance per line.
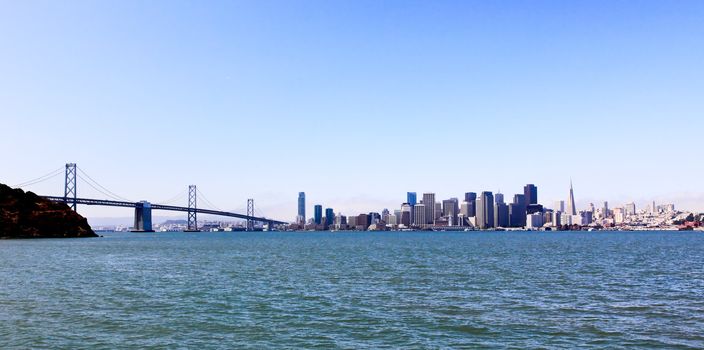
x=26, y=215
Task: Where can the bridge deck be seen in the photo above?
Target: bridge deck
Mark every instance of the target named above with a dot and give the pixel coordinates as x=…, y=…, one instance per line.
x=111, y=203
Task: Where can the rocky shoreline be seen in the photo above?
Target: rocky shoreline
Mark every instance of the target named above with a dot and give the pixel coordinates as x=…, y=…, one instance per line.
x=26, y=215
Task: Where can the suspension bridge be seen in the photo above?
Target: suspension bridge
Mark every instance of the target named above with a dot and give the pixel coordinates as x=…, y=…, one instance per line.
x=142, y=209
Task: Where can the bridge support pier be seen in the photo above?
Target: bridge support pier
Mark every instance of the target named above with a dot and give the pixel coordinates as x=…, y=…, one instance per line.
x=143, y=217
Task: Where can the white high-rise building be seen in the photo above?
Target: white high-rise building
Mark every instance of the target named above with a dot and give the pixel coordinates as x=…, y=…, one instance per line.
x=419, y=215
x=534, y=220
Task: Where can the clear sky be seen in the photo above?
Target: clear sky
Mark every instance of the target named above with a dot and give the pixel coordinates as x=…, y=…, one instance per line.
x=355, y=102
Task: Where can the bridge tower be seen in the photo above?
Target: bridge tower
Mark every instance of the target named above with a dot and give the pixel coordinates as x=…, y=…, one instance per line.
x=142, y=217
x=70, y=185
x=192, y=217
x=250, y=212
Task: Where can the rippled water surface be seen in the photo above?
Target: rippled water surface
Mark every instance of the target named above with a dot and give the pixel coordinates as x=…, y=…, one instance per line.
x=354, y=290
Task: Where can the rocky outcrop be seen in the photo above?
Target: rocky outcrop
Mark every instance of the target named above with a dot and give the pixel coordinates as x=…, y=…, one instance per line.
x=26, y=215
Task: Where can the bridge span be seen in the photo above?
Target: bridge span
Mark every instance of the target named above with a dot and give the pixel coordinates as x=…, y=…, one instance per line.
x=142, y=209
x=142, y=214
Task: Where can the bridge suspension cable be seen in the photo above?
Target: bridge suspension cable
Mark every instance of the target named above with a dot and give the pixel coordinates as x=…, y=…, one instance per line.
x=107, y=195
x=42, y=178
x=202, y=197
x=175, y=199
x=105, y=191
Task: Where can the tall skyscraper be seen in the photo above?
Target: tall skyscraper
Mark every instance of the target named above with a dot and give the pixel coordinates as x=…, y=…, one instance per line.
x=517, y=211
x=516, y=214
x=501, y=214
x=301, y=219
x=406, y=214
x=411, y=200
x=485, y=210
x=530, y=193
x=571, y=207
x=471, y=198
x=429, y=202
x=419, y=216
x=329, y=217
x=498, y=197
x=318, y=214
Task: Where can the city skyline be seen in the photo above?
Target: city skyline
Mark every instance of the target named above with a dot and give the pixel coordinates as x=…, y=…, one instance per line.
x=488, y=216
x=355, y=103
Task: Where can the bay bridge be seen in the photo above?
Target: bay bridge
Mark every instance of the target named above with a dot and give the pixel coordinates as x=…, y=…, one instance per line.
x=142, y=209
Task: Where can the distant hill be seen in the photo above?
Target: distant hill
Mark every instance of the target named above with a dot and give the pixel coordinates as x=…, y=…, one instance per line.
x=26, y=215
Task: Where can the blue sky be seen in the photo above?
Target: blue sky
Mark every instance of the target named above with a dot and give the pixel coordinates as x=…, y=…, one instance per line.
x=355, y=102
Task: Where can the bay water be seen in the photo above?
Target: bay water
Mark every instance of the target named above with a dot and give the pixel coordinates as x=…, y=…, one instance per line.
x=354, y=290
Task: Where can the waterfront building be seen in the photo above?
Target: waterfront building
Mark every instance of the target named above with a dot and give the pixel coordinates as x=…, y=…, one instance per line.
x=485, y=210
x=530, y=194
x=429, y=202
x=340, y=222
x=461, y=220
x=619, y=215
x=605, y=210
x=471, y=198
x=517, y=212
x=352, y=222
x=329, y=217
x=318, y=214
x=534, y=220
x=385, y=215
x=392, y=221
x=464, y=208
x=362, y=222
x=566, y=219
x=571, y=206
x=419, y=219
x=374, y=218
x=501, y=214
x=449, y=210
x=437, y=213
x=587, y=217
x=579, y=219
x=397, y=215
x=411, y=200
x=516, y=215
x=406, y=215
x=556, y=218
x=301, y=218
x=547, y=217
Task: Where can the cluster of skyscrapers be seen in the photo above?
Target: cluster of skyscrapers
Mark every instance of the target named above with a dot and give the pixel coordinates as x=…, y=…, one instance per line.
x=484, y=210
